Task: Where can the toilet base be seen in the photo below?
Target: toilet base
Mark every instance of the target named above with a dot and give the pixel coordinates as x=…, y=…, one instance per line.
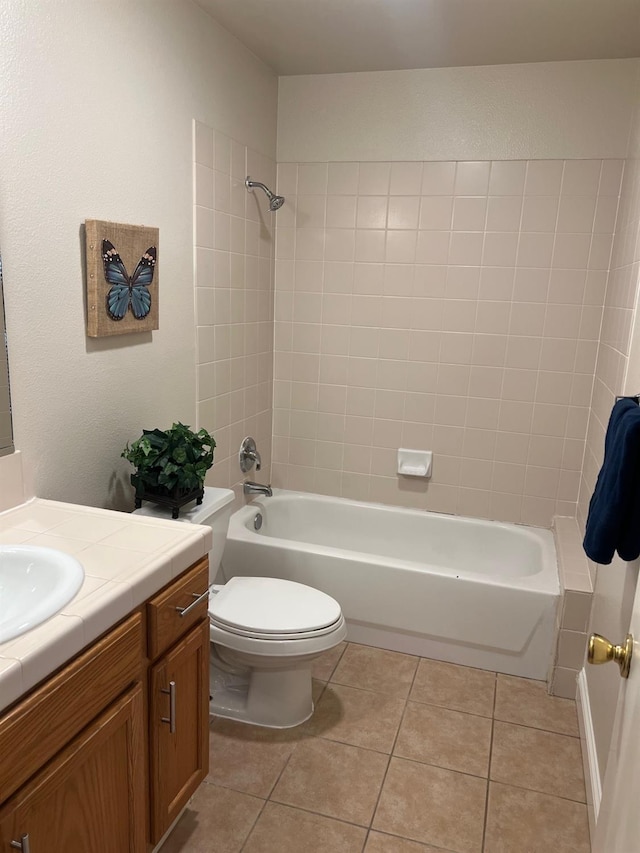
x=277, y=698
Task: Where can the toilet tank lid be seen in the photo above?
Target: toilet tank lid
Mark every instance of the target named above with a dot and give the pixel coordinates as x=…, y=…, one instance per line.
x=213, y=500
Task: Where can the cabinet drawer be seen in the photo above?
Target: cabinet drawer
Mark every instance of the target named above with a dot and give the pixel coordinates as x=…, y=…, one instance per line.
x=177, y=608
x=36, y=729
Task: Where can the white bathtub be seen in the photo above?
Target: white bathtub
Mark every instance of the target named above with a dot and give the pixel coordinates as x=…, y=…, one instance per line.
x=479, y=593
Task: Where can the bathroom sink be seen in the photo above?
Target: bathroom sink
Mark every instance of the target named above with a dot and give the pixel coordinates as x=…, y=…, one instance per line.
x=35, y=584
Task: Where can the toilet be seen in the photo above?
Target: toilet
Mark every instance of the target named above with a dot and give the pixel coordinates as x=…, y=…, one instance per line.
x=265, y=632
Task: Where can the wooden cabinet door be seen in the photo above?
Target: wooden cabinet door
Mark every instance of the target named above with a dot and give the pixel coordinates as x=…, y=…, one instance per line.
x=91, y=797
x=179, y=727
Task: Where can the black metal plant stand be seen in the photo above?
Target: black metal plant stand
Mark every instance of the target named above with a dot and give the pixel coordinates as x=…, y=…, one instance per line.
x=175, y=499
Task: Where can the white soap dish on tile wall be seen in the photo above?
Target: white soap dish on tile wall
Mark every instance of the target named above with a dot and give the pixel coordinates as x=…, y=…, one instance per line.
x=414, y=463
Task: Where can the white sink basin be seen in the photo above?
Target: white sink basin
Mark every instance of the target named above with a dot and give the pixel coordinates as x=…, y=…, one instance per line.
x=35, y=584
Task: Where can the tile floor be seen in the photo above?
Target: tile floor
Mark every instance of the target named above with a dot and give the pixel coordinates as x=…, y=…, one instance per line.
x=402, y=755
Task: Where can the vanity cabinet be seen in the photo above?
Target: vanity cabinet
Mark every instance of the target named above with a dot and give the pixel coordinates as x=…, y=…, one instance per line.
x=103, y=755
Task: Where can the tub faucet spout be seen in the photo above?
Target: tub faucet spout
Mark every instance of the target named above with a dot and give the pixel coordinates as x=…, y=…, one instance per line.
x=251, y=488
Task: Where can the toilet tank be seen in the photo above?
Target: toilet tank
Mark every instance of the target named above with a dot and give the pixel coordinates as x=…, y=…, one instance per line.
x=214, y=511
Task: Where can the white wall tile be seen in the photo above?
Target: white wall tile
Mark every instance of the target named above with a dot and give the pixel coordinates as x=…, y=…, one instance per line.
x=472, y=178
x=438, y=178
x=507, y=177
x=469, y=315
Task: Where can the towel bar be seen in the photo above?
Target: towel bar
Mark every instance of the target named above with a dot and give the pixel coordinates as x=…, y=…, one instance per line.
x=635, y=397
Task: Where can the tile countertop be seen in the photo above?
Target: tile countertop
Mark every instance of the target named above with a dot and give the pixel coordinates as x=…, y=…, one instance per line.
x=126, y=559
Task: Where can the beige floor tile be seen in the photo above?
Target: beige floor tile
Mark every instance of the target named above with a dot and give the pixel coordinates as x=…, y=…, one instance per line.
x=520, y=821
x=543, y=761
x=358, y=717
x=333, y=779
x=432, y=805
x=322, y=668
x=446, y=738
x=526, y=702
x=376, y=669
x=281, y=829
x=379, y=843
x=248, y=758
x=459, y=688
x=216, y=820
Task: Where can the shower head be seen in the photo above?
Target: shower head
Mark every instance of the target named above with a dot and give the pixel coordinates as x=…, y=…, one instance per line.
x=275, y=201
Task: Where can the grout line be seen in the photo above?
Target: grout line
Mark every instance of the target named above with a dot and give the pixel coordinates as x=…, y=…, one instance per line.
x=375, y=692
x=486, y=797
x=253, y=826
x=318, y=814
x=426, y=844
x=537, y=728
x=538, y=791
x=284, y=767
x=393, y=746
x=447, y=708
x=438, y=766
x=386, y=772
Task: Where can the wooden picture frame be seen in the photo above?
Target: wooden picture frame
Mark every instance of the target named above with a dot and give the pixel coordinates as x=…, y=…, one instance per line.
x=122, y=278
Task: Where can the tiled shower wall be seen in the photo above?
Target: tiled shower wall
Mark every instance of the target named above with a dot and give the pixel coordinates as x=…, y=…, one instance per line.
x=446, y=306
x=234, y=300
x=617, y=326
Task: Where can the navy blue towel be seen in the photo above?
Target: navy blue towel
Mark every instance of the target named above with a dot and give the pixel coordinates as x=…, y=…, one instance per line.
x=614, y=511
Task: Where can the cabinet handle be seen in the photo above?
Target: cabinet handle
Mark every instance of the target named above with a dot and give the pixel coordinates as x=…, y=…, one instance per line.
x=184, y=611
x=171, y=719
x=23, y=844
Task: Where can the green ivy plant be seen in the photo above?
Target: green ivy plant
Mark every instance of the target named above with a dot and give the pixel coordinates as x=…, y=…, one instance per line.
x=175, y=459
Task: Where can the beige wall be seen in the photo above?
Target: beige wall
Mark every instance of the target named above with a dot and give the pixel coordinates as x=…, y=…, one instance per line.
x=446, y=306
x=504, y=112
x=97, y=102
x=617, y=372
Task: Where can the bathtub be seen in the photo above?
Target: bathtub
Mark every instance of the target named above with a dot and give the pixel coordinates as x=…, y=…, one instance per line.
x=473, y=592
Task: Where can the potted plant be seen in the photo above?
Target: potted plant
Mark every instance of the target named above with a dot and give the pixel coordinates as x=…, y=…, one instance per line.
x=170, y=465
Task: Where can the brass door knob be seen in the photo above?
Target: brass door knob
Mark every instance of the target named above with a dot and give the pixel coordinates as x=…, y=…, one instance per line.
x=602, y=651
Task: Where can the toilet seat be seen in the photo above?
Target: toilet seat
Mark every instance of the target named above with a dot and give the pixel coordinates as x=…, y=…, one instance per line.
x=280, y=647
x=274, y=618
x=256, y=635
x=272, y=609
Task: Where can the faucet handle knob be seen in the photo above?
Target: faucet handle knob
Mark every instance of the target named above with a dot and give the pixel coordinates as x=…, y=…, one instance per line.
x=248, y=455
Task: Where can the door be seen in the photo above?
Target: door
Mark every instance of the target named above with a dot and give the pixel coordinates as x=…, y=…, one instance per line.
x=179, y=745
x=618, y=827
x=91, y=797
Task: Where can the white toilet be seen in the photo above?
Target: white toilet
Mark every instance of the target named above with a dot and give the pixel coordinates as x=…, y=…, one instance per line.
x=265, y=632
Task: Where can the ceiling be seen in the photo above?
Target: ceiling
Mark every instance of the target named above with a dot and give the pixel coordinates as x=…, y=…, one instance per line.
x=330, y=36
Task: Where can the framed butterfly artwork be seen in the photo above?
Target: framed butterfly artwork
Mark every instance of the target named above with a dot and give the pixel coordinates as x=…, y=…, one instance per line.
x=122, y=278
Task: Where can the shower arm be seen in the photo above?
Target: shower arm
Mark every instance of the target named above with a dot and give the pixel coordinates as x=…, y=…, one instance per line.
x=250, y=184
x=275, y=201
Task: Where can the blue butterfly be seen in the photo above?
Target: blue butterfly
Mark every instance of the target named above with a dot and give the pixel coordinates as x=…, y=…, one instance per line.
x=127, y=291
